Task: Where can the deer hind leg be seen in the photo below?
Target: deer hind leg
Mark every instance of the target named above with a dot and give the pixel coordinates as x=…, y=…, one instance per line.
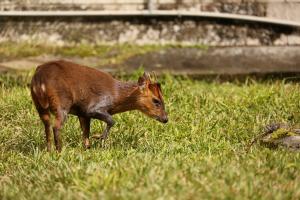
x=60, y=116
x=45, y=116
x=46, y=119
x=85, y=127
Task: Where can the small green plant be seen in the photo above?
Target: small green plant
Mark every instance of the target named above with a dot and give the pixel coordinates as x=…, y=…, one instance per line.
x=281, y=133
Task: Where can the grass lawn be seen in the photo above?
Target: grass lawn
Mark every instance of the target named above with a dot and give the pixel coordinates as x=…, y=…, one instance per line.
x=109, y=54
x=199, y=154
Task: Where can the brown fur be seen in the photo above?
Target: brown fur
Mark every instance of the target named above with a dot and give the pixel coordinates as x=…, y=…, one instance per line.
x=62, y=87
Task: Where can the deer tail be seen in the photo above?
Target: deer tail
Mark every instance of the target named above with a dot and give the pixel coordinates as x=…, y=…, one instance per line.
x=38, y=92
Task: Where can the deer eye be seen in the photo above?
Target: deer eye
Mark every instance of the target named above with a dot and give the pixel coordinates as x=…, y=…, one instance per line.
x=156, y=102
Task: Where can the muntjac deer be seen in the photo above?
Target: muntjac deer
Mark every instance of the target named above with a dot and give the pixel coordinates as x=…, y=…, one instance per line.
x=62, y=87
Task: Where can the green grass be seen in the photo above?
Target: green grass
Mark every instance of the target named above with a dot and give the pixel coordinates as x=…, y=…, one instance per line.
x=199, y=154
x=109, y=54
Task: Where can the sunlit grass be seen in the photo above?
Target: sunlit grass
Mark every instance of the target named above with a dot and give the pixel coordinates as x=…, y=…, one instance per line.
x=199, y=154
x=109, y=54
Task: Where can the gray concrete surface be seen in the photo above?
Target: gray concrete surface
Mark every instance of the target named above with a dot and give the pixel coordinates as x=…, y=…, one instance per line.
x=146, y=30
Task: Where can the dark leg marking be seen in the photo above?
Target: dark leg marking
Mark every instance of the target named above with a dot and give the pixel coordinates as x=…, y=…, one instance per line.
x=107, y=118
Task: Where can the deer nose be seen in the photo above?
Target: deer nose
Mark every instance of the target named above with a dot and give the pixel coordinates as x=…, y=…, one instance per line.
x=164, y=119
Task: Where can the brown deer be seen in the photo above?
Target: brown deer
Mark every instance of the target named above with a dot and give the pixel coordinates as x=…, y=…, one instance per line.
x=62, y=87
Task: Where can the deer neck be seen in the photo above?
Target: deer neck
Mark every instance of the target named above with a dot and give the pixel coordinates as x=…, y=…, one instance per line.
x=126, y=97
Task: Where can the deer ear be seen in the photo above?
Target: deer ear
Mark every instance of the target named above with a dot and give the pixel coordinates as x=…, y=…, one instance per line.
x=144, y=79
x=144, y=82
x=141, y=81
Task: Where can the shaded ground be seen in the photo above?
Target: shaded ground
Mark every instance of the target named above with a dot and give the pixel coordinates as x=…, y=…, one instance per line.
x=237, y=60
x=187, y=60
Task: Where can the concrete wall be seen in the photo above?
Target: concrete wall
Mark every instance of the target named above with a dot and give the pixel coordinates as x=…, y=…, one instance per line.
x=151, y=30
x=281, y=9
x=147, y=31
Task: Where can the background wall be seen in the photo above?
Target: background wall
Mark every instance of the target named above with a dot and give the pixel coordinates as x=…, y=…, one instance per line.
x=143, y=30
x=235, y=46
x=281, y=9
x=146, y=30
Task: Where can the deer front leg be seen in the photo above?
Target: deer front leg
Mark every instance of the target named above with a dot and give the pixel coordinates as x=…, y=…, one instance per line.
x=110, y=122
x=107, y=118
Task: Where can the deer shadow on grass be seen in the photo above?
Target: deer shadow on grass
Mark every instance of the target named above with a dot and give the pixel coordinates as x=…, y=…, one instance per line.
x=118, y=140
x=28, y=142
x=24, y=145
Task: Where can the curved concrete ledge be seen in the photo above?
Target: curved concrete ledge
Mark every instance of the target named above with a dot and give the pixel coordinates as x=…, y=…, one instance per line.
x=158, y=13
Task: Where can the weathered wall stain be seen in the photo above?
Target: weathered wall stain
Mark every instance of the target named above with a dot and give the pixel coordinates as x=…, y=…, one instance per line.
x=188, y=31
